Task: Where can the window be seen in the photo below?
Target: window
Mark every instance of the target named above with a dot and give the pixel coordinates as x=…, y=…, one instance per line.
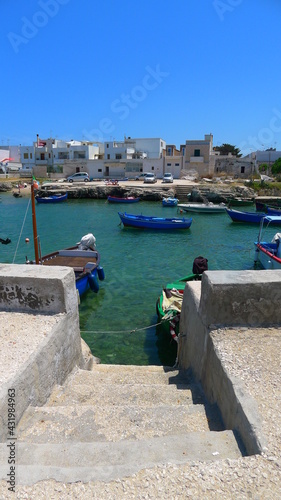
x=177, y=164
x=108, y=157
x=99, y=169
x=25, y=155
x=107, y=145
x=118, y=157
x=30, y=155
x=169, y=164
x=197, y=152
x=183, y=151
x=152, y=168
x=242, y=170
x=169, y=151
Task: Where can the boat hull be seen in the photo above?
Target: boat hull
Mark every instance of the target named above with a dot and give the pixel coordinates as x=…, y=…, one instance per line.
x=51, y=199
x=264, y=253
x=155, y=223
x=203, y=208
x=248, y=217
x=170, y=202
x=116, y=199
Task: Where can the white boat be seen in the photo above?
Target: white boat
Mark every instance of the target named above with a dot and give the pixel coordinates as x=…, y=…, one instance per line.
x=206, y=208
x=269, y=253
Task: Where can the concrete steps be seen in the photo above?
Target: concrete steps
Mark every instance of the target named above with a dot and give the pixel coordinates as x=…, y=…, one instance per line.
x=115, y=420
x=182, y=191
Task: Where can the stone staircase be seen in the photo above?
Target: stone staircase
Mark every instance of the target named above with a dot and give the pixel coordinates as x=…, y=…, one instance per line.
x=113, y=421
x=181, y=192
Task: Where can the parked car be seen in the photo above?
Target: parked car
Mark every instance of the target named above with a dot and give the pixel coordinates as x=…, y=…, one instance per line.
x=150, y=179
x=140, y=177
x=168, y=178
x=78, y=177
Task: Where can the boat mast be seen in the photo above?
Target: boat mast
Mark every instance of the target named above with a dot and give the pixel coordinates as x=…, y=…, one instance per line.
x=35, y=237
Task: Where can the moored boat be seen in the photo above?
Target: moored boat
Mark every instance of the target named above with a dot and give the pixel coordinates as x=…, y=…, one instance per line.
x=240, y=202
x=147, y=222
x=83, y=258
x=169, y=302
x=170, y=202
x=248, y=217
x=52, y=198
x=119, y=199
x=268, y=253
x=206, y=208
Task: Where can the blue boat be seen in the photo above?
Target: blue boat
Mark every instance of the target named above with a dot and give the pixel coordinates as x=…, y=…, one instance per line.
x=116, y=199
x=248, y=217
x=273, y=211
x=53, y=198
x=170, y=202
x=268, y=253
x=83, y=258
x=146, y=222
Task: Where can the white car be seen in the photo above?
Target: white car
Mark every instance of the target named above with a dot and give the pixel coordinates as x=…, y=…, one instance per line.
x=150, y=179
x=78, y=177
x=168, y=178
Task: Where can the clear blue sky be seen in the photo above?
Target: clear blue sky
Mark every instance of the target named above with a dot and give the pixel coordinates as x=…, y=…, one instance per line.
x=176, y=70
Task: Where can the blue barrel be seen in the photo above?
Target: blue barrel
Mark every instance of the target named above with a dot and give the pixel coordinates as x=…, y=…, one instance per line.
x=101, y=273
x=93, y=282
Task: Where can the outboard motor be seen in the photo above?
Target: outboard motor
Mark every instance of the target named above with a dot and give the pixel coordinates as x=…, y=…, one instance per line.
x=87, y=242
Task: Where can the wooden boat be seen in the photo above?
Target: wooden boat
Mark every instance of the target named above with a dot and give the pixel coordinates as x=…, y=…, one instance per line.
x=170, y=202
x=248, y=217
x=240, y=202
x=273, y=211
x=146, y=222
x=179, y=286
x=53, y=198
x=128, y=199
x=206, y=208
x=269, y=253
x=83, y=258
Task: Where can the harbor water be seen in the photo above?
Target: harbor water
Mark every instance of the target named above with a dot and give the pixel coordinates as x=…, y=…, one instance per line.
x=119, y=323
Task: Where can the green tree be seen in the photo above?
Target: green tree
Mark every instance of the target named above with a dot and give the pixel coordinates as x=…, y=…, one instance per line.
x=276, y=167
x=224, y=149
x=263, y=168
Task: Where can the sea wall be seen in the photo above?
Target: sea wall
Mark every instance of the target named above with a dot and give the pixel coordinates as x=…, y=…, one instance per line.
x=227, y=300
x=39, y=333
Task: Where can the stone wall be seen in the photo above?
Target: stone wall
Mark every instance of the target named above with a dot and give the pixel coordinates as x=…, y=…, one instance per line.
x=227, y=299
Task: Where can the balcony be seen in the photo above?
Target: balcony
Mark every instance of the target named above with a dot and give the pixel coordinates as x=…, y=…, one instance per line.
x=197, y=159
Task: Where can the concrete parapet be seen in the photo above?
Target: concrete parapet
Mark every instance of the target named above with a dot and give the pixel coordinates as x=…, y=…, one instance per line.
x=39, y=334
x=223, y=300
x=241, y=298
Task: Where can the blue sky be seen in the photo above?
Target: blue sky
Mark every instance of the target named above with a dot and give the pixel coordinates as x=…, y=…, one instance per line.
x=90, y=70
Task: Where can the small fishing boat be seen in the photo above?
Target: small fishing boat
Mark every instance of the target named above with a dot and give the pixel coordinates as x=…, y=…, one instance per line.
x=268, y=253
x=206, y=208
x=171, y=296
x=248, y=217
x=128, y=199
x=273, y=211
x=83, y=258
x=146, y=222
x=169, y=302
x=170, y=202
x=53, y=198
x=240, y=202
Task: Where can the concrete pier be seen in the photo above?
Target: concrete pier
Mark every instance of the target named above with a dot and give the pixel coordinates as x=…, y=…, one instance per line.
x=98, y=431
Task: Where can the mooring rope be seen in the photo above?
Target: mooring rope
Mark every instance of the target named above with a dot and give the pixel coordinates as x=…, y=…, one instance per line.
x=21, y=232
x=126, y=331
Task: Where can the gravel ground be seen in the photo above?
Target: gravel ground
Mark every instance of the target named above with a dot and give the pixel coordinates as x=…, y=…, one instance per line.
x=254, y=357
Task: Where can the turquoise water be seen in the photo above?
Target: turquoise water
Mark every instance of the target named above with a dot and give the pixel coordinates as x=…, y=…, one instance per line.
x=117, y=323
